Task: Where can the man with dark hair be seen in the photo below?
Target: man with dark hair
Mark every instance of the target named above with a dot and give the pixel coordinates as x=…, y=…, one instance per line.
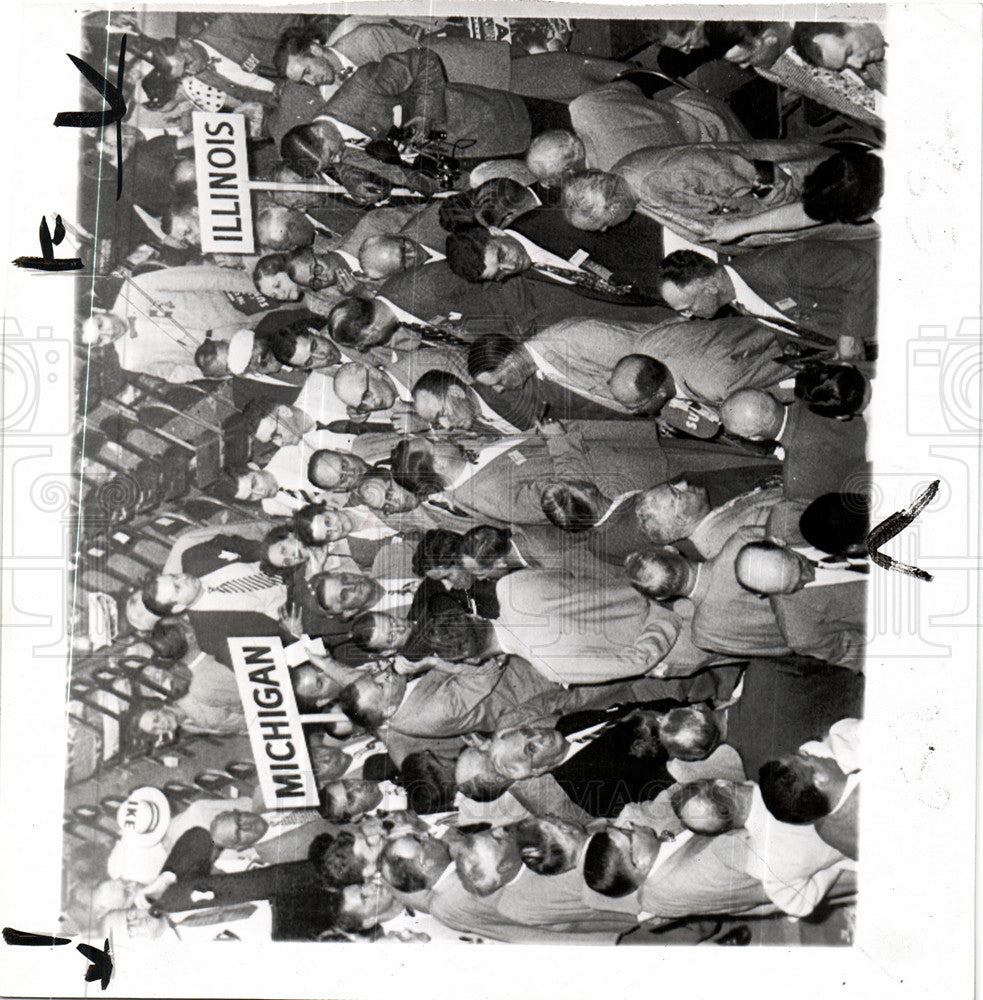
x=346, y=858
x=488, y=552
x=503, y=482
x=840, y=44
x=823, y=287
x=819, y=784
x=574, y=507
x=271, y=276
x=837, y=391
x=479, y=254
x=300, y=347
x=662, y=878
x=447, y=402
x=838, y=524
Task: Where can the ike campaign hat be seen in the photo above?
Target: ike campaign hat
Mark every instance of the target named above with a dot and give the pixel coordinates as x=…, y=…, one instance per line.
x=144, y=816
x=240, y=350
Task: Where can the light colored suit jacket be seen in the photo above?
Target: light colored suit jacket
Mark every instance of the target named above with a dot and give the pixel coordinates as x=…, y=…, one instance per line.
x=616, y=119
x=708, y=359
x=577, y=630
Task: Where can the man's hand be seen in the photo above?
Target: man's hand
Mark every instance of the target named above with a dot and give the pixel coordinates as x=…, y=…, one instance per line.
x=551, y=428
x=849, y=348
x=290, y=617
x=420, y=128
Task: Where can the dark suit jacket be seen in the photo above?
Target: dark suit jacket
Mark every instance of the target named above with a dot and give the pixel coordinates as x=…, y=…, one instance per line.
x=823, y=455
x=213, y=628
x=631, y=251
x=826, y=622
x=245, y=389
x=786, y=702
x=824, y=285
x=517, y=307
x=415, y=80
x=205, y=557
x=432, y=595
x=240, y=887
x=604, y=777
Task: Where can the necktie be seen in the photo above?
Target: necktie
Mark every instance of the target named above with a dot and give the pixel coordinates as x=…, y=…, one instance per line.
x=585, y=279
x=435, y=334
x=303, y=495
x=245, y=584
x=351, y=427
x=221, y=915
x=447, y=508
x=291, y=817
x=788, y=326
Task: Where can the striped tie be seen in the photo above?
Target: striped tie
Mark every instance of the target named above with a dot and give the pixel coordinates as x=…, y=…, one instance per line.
x=246, y=584
x=221, y=915
x=303, y=495
x=433, y=334
x=585, y=279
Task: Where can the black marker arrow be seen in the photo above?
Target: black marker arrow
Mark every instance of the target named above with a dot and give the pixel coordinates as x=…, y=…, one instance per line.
x=894, y=525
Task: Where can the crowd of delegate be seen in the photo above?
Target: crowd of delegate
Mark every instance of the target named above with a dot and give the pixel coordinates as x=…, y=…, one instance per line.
x=554, y=370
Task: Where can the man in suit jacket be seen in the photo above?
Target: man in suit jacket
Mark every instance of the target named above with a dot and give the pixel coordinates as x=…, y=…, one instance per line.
x=249, y=40
x=578, y=630
x=416, y=81
x=822, y=617
x=704, y=509
x=228, y=596
x=505, y=483
x=629, y=251
x=795, y=866
x=787, y=702
x=617, y=119
x=803, y=434
x=480, y=254
x=823, y=286
x=517, y=307
x=556, y=76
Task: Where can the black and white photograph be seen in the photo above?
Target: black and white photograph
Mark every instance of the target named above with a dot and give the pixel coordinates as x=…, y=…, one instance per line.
x=477, y=524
